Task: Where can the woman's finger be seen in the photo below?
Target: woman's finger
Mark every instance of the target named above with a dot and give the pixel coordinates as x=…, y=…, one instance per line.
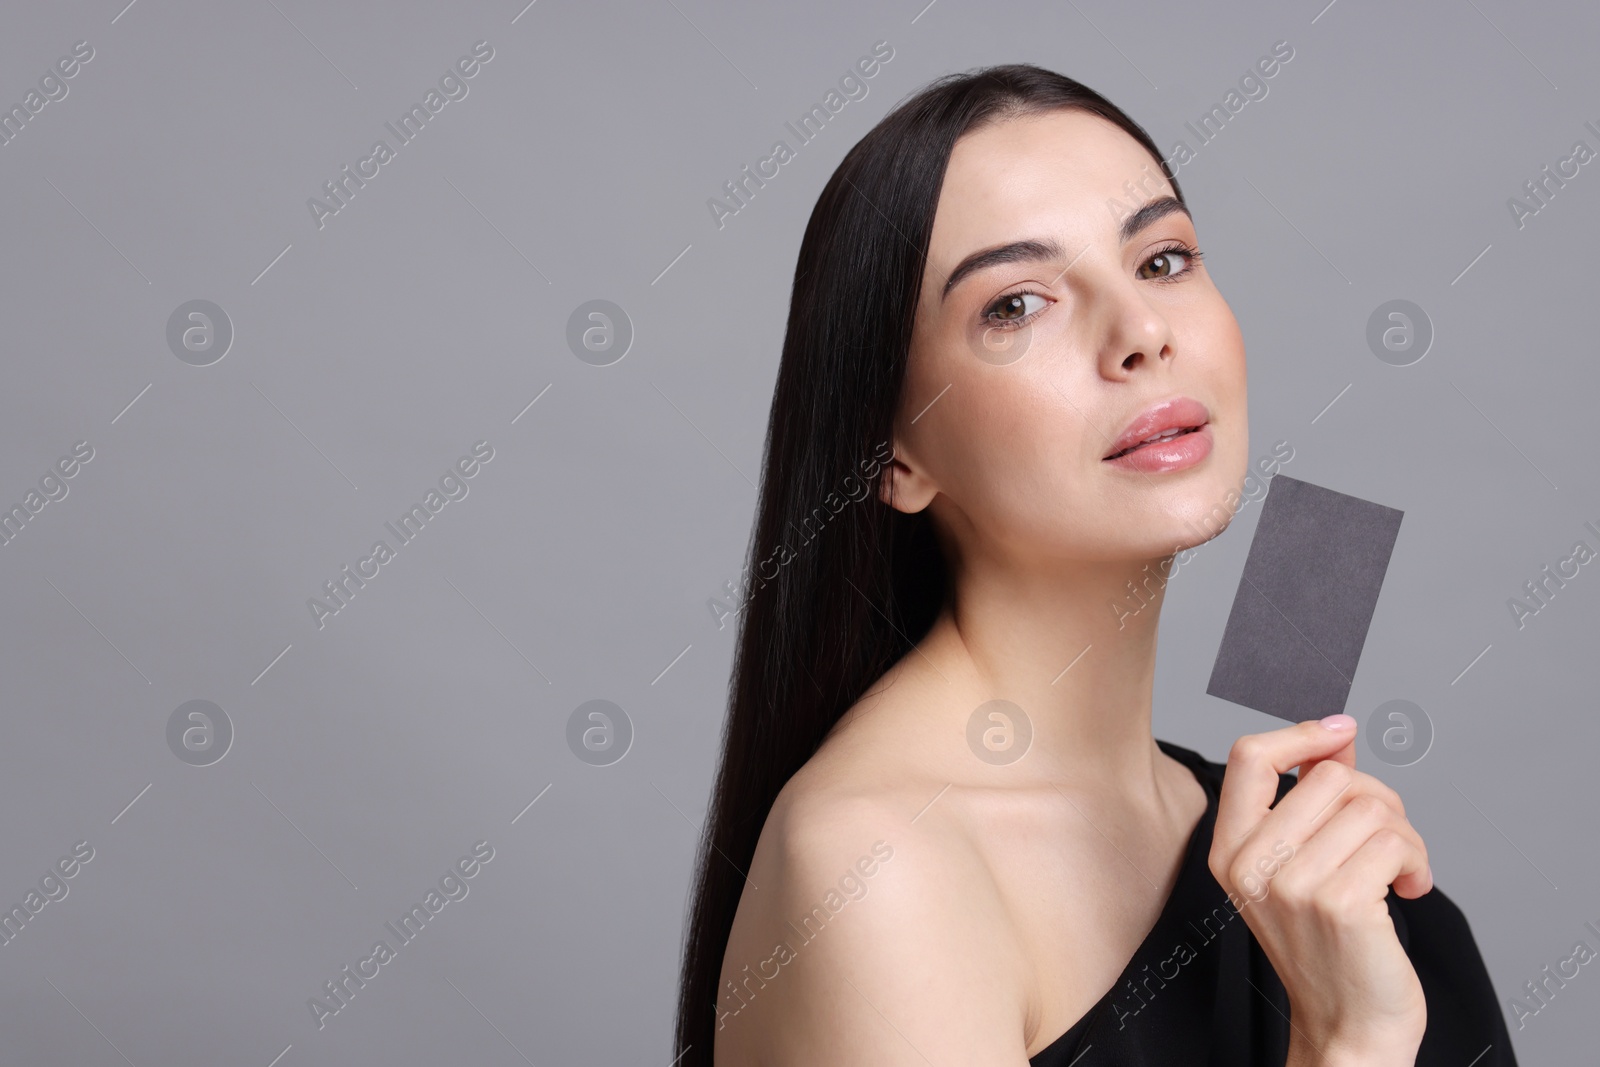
x=1251, y=783
x=1318, y=795
x=1386, y=858
x=1346, y=756
x=1336, y=839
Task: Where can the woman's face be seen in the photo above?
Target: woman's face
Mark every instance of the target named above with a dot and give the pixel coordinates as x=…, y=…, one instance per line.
x=1025, y=374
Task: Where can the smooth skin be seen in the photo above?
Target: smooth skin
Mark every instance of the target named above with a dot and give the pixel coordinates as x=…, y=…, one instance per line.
x=1017, y=892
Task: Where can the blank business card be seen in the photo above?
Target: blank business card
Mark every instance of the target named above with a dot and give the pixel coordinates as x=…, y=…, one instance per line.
x=1305, y=601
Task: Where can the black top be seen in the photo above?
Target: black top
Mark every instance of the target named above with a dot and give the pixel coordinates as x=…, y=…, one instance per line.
x=1200, y=990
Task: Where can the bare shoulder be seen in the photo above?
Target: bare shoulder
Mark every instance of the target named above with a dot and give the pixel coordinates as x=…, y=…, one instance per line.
x=866, y=934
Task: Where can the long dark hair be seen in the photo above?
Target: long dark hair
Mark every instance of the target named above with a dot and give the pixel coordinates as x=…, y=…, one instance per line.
x=864, y=581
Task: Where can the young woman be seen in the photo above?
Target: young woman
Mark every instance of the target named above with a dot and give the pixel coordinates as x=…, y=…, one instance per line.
x=942, y=832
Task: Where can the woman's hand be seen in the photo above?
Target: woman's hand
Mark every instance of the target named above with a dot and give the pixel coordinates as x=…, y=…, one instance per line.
x=1353, y=994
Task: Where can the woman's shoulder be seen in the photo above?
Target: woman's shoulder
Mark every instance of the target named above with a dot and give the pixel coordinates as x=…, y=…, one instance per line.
x=870, y=782
x=874, y=776
x=847, y=817
x=852, y=881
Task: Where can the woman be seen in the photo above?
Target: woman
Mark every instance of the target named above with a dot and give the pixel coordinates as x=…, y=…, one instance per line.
x=942, y=831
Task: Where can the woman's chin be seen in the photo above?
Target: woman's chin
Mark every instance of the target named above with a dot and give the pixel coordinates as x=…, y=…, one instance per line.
x=1201, y=513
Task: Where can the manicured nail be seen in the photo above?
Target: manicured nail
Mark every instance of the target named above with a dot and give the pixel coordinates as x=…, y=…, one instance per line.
x=1339, y=722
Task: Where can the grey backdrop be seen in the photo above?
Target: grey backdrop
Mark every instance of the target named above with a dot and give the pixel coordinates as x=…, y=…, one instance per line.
x=370, y=353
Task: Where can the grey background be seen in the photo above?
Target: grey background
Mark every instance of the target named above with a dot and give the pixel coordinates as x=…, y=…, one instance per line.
x=432, y=310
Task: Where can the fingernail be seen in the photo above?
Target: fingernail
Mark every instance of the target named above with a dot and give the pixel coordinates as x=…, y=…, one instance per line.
x=1339, y=722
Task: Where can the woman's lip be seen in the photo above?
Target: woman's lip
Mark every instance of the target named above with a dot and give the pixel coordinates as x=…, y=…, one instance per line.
x=1177, y=413
x=1182, y=451
x=1182, y=431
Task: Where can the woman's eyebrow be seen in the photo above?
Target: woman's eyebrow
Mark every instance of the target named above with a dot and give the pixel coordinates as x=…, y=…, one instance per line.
x=1040, y=250
x=1027, y=251
x=1159, y=208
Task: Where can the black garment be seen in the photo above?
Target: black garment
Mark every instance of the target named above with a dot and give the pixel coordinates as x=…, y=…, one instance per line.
x=1200, y=990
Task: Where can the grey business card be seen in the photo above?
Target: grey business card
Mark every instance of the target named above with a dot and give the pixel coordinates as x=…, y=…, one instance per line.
x=1305, y=601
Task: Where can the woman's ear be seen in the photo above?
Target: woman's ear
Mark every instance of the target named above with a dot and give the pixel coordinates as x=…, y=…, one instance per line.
x=903, y=484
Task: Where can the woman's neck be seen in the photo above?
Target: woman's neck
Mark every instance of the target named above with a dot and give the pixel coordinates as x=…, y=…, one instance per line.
x=1074, y=650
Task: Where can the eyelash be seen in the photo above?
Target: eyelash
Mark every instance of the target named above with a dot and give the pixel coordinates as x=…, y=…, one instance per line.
x=1191, y=254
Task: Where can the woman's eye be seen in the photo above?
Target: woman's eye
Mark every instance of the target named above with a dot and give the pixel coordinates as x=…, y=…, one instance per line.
x=1163, y=263
x=1016, y=306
